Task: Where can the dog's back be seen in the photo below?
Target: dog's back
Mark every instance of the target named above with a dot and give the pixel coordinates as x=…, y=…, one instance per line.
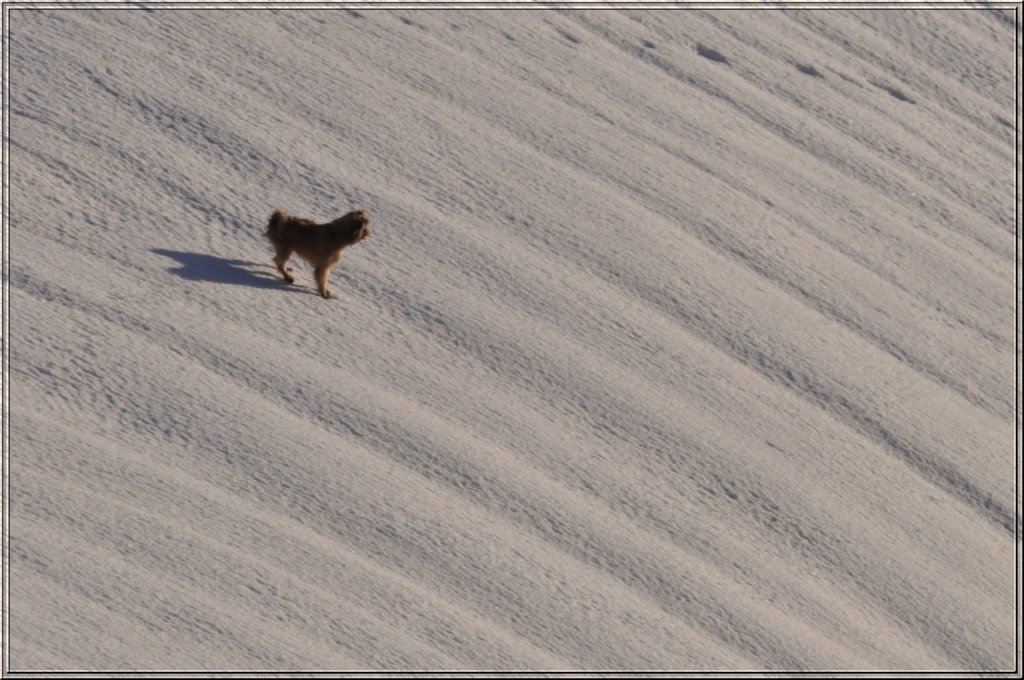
x=282, y=227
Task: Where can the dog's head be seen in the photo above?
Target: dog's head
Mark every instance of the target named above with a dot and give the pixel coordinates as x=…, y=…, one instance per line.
x=360, y=225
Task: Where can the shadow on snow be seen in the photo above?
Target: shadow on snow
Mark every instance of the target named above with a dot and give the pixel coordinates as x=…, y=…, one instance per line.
x=203, y=267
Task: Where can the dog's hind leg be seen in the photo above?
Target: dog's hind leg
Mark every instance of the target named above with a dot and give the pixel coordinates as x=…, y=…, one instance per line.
x=280, y=259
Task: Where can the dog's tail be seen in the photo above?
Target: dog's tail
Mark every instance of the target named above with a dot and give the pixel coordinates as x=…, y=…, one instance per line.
x=274, y=225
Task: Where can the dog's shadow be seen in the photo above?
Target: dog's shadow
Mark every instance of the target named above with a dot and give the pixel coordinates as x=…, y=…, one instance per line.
x=213, y=269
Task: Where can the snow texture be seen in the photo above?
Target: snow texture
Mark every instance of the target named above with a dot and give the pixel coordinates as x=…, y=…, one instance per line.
x=682, y=340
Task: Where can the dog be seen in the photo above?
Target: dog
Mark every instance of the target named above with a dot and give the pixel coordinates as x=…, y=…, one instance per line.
x=319, y=244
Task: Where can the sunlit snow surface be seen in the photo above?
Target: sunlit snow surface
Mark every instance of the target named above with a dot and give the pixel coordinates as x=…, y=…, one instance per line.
x=682, y=340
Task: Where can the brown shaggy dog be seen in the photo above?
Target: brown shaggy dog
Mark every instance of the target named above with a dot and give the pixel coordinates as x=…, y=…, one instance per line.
x=319, y=244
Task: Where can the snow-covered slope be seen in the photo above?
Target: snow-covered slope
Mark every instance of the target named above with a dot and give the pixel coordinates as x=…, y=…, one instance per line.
x=682, y=340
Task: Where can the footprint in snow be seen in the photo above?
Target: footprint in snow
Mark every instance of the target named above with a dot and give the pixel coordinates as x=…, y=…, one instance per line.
x=898, y=94
x=713, y=55
x=569, y=36
x=809, y=70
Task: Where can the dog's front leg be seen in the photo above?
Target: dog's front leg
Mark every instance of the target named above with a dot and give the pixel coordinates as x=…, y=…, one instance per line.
x=321, y=273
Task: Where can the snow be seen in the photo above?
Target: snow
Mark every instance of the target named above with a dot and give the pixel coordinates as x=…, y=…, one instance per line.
x=682, y=340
